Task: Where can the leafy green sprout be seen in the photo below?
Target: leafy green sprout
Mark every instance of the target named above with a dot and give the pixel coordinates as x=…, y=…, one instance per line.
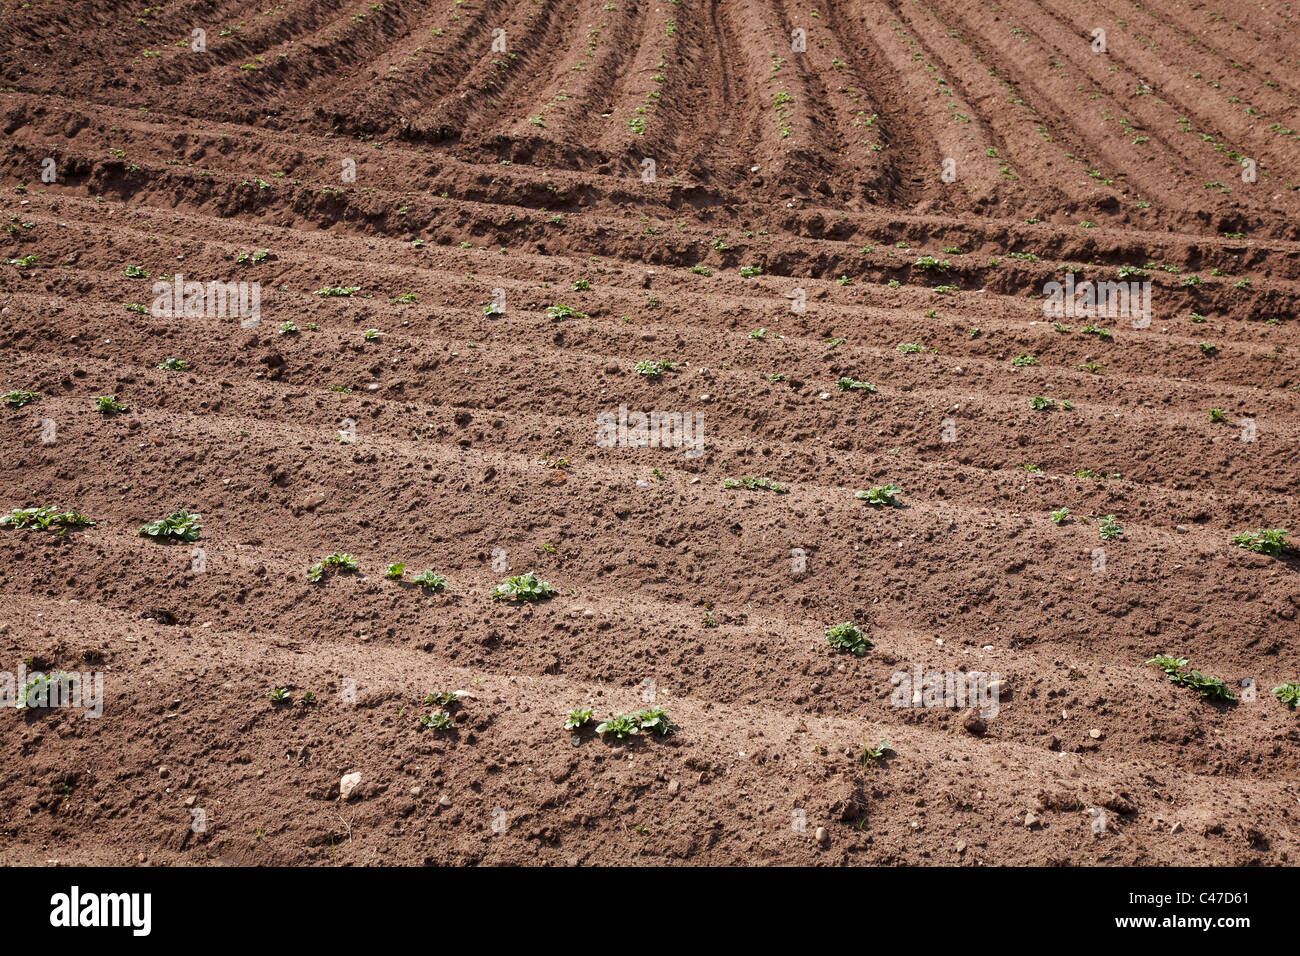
x=1210, y=688
x=177, y=526
x=337, y=291
x=655, y=720
x=108, y=404
x=847, y=384
x=19, y=397
x=578, y=718
x=524, y=587
x=620, y=725
x=582, y=285
x=395, y=571
x=931, y=264
x=136, y=272
x=438, y=720
x=280, y=696
x=173, y=365
x=910, y=348
x=1060, y=515
x=288, y=328
x=430, y=581
x=1288, y=693
x=1109, y=528
x=848, y=636
x=653, y=368
x=43, y=519
x=1217, y=415
x=339, y=562
x=755, y=484
x=372, y=335
x=1039, y=403
x=881, y=496
x=564, y=312
x=879, y=752
x=1020, y=361
x=749, y=272
x=1270, y=541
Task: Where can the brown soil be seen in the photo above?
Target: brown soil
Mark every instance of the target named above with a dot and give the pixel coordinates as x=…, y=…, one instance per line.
x=521, y=171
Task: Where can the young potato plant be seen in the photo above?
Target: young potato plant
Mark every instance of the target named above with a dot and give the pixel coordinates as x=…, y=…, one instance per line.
x=881, y=496
x=524, y=587
x=438, y=720
x=1288, y=693
x=847, y=384
x=653, y=368
x=395, y=571
x=578, y=718
x=1039, y=403
x=173, y=365
x=654, y=721
x=177, y=526
x=43, y=519
x=1060, y=515
x=848, y=636
x=340, y=562
x=1270, y=541
x=559, y=311
x=1109, y=528
x=108, y=405
x=1210, y=688
x=430, y=581
x=755, y=484
x=18, y=398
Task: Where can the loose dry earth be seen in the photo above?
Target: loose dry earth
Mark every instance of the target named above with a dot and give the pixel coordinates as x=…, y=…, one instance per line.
x=522, y=171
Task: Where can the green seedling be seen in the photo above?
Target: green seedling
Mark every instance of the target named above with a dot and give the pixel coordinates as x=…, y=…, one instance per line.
x=931, y=264
x=372, y=335
x=308, y=698
x=582, y=285
x=334, y=291
x=288, y=328
x=1039, y=403
x=578, y=718
x=1270, y=541
x=564, y=312
x=178, y=526
x=910, y=348
x=1061, y=515
x=655, y=721
x=1217, y=415
x=280, y=697
x=173, y=365
x=1208, y=687
x=136, y=272
x=847, y=384
x=395, y=571
x=438, y=720
x=442, y=698
x=340, y=562
x=108, y=404
x=37, y=692
x=848, y=636
x=430, y=581
x=620, y=725
x=43, y=519
x=1097, y=331
x=758, y=334
x=1109, y=528
x=755, y=484
x=494, y=308
x=1020, y=361
x=19, y=397
x=881, y=496
x=748, y=272
x=879, y=752
x=524, y=587
x=1288, y=693
x=653, y=368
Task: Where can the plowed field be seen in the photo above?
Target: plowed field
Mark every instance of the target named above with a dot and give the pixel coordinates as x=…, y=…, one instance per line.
x=696, y=189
